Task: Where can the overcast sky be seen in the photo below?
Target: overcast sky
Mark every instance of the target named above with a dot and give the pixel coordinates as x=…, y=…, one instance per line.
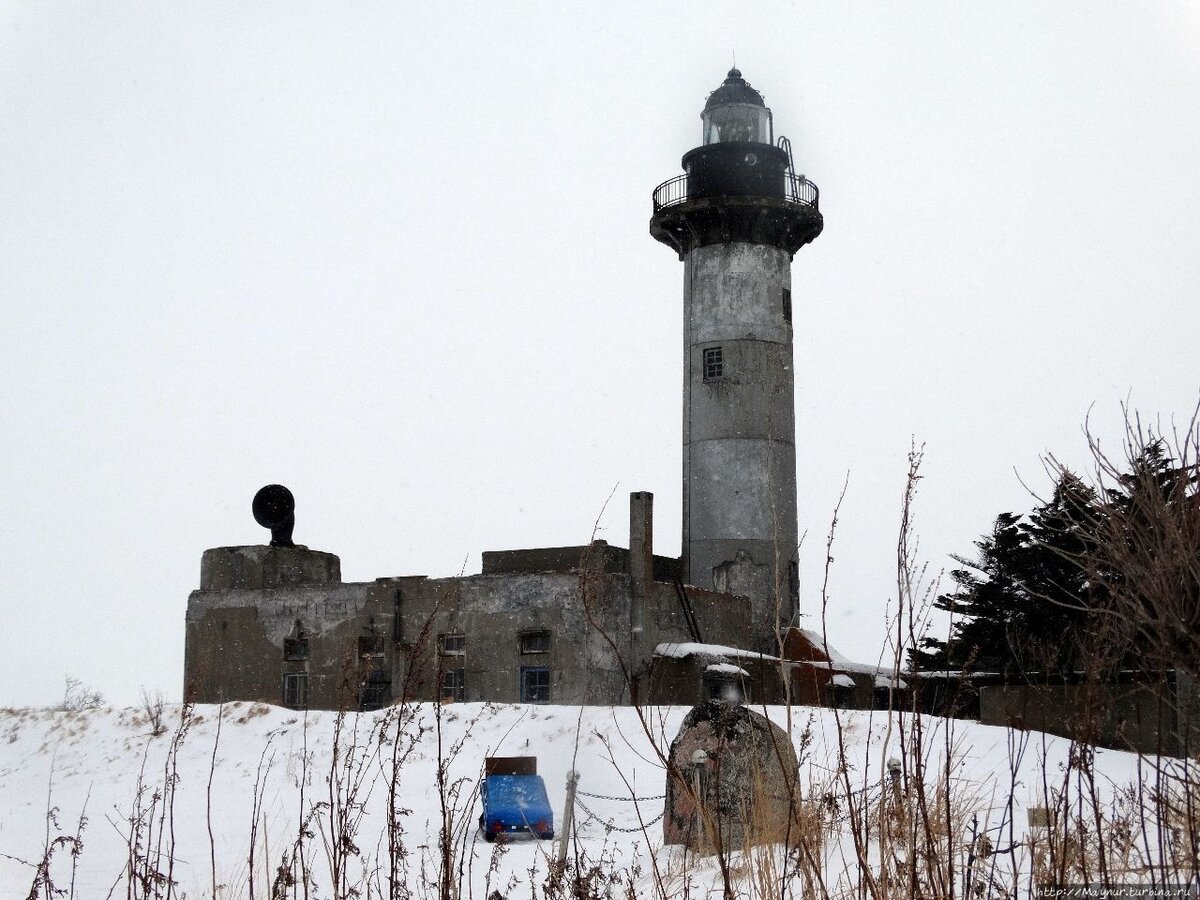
x=395, y=256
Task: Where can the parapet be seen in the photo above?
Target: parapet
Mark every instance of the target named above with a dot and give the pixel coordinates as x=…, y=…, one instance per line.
x=258, y=566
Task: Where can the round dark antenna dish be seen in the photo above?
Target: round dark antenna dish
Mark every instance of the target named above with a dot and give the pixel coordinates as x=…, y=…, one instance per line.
x=275, y=508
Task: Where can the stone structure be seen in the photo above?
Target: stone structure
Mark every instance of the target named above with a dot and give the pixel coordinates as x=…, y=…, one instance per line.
x=553, y=625
x=578, y=624
x=732, y=780
x=736, y=218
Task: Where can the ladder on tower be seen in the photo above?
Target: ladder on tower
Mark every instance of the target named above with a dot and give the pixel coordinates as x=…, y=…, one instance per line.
x=689, y=615
x=786, y=146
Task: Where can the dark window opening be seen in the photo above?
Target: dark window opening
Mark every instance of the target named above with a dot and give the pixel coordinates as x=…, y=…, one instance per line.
x=841, y=696
x=535, y=684
x=375, y=692
x=370, y=646
x=295, y=648
x=714, y=365
x=452, y=644
x=295, y=691
x=397, y=620
x=454, y=684
x=535, y=642
x=787, y=304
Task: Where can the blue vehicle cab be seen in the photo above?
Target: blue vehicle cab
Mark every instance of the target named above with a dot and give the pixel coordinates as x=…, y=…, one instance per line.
x=514, y=803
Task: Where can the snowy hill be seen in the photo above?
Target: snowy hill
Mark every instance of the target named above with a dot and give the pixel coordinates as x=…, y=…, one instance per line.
x=237, y=791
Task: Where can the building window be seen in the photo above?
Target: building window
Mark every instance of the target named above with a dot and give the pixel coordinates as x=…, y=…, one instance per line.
x=370, y=646
x=295, y=691
x=787, y=304
x=535, y=642
x=841, y=696
x=454, y=684
x=535, y=684
x=452, y=644
x=375, y=692
x=295, y=649
x=714, y=365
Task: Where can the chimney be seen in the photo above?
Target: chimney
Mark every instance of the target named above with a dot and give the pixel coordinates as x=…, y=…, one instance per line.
x=641, y=579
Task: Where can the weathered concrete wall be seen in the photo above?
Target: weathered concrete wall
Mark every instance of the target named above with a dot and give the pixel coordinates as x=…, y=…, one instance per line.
x=493, y=611
x=739, y=430
x=1139, y=717
x=236, y=638
x=234, y=642
x=261, y=566
x=598, y=556
x=723, y=619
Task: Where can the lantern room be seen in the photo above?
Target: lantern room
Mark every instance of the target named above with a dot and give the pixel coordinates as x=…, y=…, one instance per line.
x=735, y=112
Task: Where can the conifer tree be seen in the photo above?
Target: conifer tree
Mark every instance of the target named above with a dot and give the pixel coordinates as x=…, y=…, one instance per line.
x=1092, y=579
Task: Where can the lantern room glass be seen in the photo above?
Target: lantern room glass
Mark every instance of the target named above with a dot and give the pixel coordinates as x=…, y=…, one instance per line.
x=737, y=122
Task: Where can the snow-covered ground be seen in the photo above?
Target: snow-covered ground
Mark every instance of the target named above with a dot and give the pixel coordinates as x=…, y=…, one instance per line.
x=104, y=765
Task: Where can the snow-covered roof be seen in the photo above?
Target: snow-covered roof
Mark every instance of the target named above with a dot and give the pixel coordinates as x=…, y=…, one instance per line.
x=842, y=680
x=685, y=649
x=717, y=652
x=837, y=660
x=887, y=681
x=726, y=669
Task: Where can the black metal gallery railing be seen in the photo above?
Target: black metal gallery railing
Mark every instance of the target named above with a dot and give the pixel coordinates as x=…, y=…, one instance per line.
x=796, y=189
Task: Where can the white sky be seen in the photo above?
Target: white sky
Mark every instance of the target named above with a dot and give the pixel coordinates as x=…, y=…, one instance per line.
x=396, y=257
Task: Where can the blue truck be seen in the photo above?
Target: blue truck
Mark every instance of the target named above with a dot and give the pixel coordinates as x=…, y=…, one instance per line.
x=514, y=799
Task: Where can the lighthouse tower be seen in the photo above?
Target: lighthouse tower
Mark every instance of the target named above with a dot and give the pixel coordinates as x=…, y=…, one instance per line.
x=736, y=217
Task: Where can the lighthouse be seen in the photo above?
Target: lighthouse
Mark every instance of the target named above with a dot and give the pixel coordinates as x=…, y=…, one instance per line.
x=736, y=217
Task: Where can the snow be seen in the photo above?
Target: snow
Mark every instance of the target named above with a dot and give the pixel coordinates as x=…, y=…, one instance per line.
x=842, y=680
x=106, y=765
x=726, y=669
x=690, y=648
x=889, y=681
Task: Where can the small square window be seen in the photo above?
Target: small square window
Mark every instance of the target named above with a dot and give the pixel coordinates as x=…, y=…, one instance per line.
x=535, y=684
x=370, y=646
x=787, y=304
x=454, y=684
x=295, y=691
x=452, y=644
x=295, y=648
x=535, y=642
x=714, y=364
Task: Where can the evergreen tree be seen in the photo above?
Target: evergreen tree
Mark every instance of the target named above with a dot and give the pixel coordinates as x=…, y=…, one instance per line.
x=1022, y=605
x=1093, y=579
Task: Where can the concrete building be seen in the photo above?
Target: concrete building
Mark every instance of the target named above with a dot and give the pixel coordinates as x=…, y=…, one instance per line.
x=554, y=625
x=595, y=624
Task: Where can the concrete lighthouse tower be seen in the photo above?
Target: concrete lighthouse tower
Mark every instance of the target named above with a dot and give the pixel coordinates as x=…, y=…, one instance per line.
x=736, y=217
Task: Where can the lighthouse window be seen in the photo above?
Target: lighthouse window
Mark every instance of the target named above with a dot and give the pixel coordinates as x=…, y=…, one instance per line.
x=787, y=305
x=714, y=365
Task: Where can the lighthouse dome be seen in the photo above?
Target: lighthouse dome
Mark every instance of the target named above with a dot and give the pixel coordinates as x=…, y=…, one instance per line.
x=734, y=89
x=735, y=112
